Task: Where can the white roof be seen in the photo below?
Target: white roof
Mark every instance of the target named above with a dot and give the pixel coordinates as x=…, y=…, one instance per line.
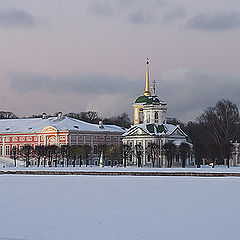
x=169, y=129
x=62, y=124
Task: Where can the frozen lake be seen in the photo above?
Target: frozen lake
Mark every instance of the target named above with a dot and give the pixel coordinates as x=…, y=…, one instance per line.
x=118, y=208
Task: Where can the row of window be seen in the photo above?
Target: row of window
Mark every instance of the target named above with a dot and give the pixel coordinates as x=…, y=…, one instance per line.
x=7, y=149
x=19, y=139
x=95, y=138
x=26, y=139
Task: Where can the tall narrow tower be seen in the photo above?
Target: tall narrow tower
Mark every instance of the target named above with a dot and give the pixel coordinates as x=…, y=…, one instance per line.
x=148, y=109
x=147, y=93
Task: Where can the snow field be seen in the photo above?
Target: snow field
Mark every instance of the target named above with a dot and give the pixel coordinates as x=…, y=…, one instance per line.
x=118, y=208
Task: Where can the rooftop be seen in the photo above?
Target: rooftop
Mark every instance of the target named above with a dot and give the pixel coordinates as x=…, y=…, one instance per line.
x=64, y=123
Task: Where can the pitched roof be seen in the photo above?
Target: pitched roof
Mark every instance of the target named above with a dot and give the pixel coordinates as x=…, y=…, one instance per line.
x=154, y=129
x=62, y=124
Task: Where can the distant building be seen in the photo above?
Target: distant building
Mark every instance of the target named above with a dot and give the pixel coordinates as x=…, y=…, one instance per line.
x=60, y=130
x=150, y=126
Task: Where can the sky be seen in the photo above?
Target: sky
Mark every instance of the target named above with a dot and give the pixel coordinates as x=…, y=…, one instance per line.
x=74, y=55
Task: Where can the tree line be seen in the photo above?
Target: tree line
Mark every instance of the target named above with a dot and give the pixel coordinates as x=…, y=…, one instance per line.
x=66, y=155
x=214, y=132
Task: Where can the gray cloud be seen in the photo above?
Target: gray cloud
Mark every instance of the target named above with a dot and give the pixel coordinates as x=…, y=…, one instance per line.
x=141, y=17
x=70, y=84
x=16, y=18
x=214, y=22
x=126, y=9
x=175, y=14
x=187, y=92
x=102, y=8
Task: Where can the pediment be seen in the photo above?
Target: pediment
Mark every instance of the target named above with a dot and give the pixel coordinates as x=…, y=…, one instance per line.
x=178, y=133
x=137, y=132
x=49, y=129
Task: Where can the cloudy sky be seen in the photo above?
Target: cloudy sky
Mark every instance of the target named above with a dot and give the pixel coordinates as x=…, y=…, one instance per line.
x=75, y=55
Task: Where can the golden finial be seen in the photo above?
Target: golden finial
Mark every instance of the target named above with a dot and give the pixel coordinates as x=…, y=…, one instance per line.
x=147, y=93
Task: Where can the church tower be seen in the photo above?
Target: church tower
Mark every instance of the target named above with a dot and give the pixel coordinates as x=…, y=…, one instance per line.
x=148, y=109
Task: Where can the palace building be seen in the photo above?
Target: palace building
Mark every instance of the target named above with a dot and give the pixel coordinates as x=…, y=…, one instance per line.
x=150, y=126
x=60, y=130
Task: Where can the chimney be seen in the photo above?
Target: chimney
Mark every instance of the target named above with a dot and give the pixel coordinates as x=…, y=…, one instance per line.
x=44, y=115
x=59, y=115
x=100, y=124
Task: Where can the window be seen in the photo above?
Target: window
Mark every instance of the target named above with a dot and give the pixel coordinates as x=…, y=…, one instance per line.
x=140, y=116
x=238, y=159
x=95, y=149
x=156, y=117
x=73, y=138
x=148, y=117
x=7, y=150
x=88, y=138
x=62, y=137
x=22, y=139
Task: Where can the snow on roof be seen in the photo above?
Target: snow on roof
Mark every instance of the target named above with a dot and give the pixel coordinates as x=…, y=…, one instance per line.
x=65, y=123
x=169, y=129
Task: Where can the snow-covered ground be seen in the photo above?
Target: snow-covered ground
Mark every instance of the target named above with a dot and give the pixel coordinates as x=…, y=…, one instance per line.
x=8, y=164
x=118, y=208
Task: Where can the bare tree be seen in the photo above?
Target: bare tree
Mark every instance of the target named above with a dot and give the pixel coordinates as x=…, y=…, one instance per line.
x=153, y=150
x=113, y=153
x=86, y=151
x=90, y=116
x=26, y=153
x=199, y=152
x=7, y=115
x=39, y=152
x=184, y=150
x=169, y=149
x=213, y=153
x=65, y=154
x=222, y=121
x=139, y=154
x=126, y=153
x=14, y=154
x=227, y=151
x=75, y=152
